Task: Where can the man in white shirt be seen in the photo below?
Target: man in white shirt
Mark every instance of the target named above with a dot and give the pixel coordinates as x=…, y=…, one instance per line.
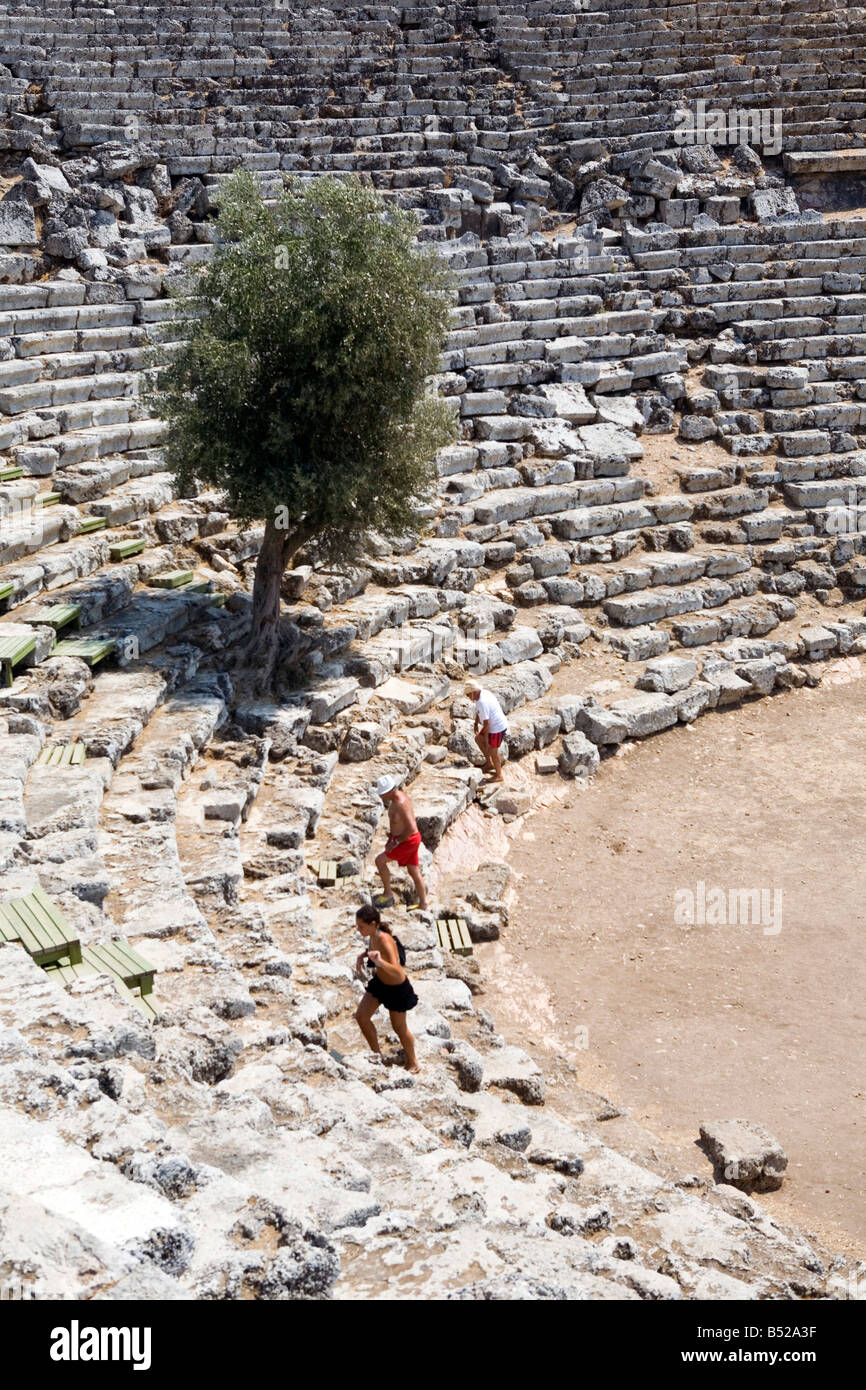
x=491, y=726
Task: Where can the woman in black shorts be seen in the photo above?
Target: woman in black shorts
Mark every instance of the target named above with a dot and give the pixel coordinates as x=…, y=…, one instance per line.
x=389, y=985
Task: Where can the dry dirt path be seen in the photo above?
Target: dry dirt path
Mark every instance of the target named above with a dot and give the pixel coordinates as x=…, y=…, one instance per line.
x=685, y=1023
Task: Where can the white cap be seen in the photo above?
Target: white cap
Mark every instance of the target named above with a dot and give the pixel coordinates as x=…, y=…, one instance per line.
x=384, y=785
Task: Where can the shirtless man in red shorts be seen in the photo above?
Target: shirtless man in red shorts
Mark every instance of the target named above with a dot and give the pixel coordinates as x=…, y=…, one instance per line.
x=404, y=840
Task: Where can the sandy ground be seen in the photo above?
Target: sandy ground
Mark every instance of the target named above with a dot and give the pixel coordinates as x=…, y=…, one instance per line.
x=764, y=1019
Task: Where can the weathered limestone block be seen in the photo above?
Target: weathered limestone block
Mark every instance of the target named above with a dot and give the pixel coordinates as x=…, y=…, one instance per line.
x=511, y=1069
x=444, y=793
x=646, y=714
x=640, y=643
x=361, y=742
x=668, y=674
x=692, y=701
x=601, y=726
x=817, y=643
x=578, y=757
x=744, y=1154
x=17, y=219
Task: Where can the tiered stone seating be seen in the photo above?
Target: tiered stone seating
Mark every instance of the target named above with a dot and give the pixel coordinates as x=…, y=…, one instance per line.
x=545, y=495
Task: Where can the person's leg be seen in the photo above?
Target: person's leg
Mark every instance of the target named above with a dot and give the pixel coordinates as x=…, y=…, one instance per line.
x=364, y=1019
x=484, y=745
x=420, y=887
x=384, y=873
x=496, y=759
x=401, y=1028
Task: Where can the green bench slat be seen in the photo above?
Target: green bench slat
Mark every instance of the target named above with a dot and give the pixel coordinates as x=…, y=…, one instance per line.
x=92, y=523
x=6, y=590
x=124, y=549
x=173, y=579
x=53, y=921
x=8, y=475
x=144, y=1003
x=47, y=499
x=57, y=615
x=41, y=928
x=62, y=755
x=121, y=960
x=13, y=650
x=97, y=961
x=454, y=935
x=464, y=940
x=90, y=649
x=68, y=973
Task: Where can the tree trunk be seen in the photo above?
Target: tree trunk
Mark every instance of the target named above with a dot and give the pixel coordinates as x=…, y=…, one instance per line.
x=278, y=547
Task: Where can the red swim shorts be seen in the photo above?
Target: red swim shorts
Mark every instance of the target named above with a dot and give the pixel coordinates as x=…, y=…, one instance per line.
x=496, y=739
x=407, y=853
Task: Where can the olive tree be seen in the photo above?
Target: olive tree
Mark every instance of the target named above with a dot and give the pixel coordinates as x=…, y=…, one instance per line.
x=301, y=391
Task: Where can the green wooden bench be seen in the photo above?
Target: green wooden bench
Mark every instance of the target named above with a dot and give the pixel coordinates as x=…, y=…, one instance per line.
x=124, y=549
x=454, y=935
x=41, y=928
x=119, y=958
x=12, y=650
x=128, y=969
x=325, y=871
x=7, y=589
x=47, y=499
x=62, y=755
x=172, y=579
x=9, y=475
x=89, y=649
x=57, y=615
x=92, y=523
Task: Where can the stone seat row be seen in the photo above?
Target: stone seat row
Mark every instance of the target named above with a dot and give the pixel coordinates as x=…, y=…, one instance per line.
x=29, y=528
x=48, y=560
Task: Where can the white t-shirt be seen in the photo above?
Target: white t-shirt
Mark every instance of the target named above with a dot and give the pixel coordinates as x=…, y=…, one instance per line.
x=487, y=707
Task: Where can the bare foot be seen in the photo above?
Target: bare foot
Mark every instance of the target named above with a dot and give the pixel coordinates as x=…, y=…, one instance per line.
x=414, y=1070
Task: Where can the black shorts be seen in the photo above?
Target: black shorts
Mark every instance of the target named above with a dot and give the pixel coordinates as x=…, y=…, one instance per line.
x=398, y=999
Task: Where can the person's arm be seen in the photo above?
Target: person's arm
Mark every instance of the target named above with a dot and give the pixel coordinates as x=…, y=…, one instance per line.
x=482, y=719
x=387, y=962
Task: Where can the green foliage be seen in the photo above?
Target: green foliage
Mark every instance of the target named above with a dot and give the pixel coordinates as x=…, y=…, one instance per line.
x=301, y=391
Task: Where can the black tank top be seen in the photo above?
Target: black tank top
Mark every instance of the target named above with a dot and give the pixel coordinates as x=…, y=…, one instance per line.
x=401, y=950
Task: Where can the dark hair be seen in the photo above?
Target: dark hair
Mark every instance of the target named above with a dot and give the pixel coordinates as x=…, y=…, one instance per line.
x=369, y=913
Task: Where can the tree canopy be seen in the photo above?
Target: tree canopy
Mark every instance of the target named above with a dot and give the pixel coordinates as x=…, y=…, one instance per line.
x=301, y=391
